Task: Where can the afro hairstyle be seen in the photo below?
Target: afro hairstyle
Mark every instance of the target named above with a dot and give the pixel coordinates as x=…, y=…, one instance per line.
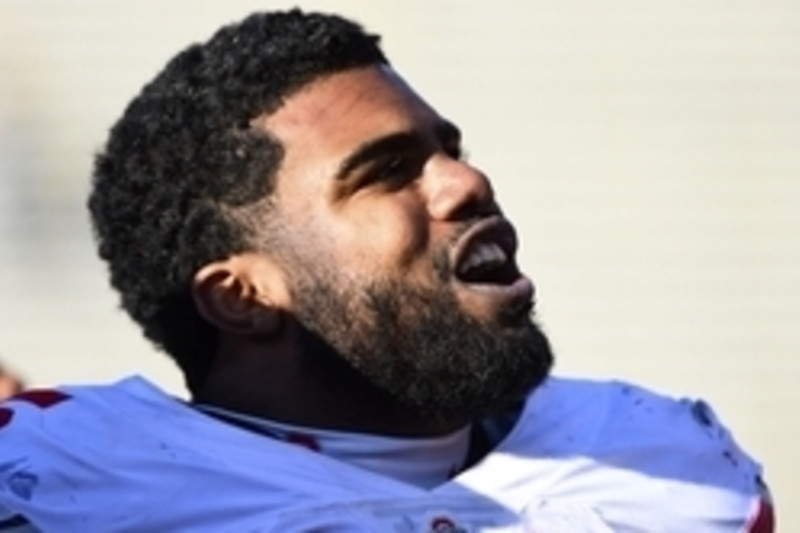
x=183, y=160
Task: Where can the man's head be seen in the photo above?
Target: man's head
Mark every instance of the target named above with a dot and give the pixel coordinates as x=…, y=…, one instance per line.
x=283, y=174
x=185, y=167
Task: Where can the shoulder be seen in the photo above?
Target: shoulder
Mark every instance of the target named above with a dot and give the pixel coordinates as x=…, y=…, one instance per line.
x=98, y=459
x=612, y=416
x=67, y=415
x=44, y=413
x=51, y=439
x=23, y=430
x=647, y=453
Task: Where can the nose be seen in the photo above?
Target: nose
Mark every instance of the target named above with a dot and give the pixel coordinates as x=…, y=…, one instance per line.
x=458, y=191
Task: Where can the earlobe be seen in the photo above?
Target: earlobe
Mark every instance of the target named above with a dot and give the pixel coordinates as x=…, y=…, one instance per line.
x=229, y=294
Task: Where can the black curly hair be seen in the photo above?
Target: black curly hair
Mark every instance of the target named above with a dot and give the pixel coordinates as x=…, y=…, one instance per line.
x=183, y=164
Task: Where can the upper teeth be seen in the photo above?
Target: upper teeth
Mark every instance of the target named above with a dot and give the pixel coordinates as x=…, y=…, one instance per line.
x=484, y=256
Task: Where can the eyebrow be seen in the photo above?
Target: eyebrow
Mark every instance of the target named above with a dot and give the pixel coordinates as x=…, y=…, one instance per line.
x=446, y=133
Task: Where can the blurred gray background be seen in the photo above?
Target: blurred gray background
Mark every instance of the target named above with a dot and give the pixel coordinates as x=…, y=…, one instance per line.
x=649, y=153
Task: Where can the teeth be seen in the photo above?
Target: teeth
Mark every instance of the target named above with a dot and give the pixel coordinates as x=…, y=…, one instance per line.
x=482, y=256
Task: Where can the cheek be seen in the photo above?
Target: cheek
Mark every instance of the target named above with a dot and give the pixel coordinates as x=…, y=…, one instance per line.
x=388, y=236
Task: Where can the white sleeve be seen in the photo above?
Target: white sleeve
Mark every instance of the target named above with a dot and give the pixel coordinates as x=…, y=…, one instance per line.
x=682, y=450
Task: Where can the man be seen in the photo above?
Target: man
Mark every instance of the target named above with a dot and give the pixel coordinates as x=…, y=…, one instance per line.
x=299, y=230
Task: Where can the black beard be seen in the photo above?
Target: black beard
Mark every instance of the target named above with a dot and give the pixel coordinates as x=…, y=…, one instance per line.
x=415, y=347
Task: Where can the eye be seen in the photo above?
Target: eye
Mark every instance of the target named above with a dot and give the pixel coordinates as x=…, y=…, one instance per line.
x=391, y=167
x=395, y=170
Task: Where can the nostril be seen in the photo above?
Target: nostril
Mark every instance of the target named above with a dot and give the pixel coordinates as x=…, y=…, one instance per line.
x=474, y=209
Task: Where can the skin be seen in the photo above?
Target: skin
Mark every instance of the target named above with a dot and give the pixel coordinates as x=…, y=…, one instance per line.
x=402, y=217
x=9, y=384
x=373, y=186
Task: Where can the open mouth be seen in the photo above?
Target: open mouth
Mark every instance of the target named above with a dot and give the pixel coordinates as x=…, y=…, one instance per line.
x=487, y=272
x=485, y=254
x=488, y=262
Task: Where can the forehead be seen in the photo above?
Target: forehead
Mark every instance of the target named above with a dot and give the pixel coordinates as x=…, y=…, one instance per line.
x=335, y=114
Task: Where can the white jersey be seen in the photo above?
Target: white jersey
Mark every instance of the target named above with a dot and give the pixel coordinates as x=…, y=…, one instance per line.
x=583, y=457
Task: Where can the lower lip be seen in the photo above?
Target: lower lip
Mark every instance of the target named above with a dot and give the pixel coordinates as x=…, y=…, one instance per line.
x=518, y=292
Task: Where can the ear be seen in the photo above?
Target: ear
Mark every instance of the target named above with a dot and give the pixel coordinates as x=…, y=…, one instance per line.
x=243, y=294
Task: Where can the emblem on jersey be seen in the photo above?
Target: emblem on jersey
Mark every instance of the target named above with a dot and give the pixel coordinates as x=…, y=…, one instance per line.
x=22, y=484
x=445, y=524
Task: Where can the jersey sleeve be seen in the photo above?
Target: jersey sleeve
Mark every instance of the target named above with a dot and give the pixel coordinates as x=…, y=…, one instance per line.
x=708, y=482
x=22, y=422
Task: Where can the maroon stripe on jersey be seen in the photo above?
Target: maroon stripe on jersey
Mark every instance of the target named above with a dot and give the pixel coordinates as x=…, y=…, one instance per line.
x=764, y=521
x=301, y=439
x=43, y=398
x=5, y=416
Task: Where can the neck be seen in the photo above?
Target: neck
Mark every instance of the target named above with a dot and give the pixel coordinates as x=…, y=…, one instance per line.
x=423, y=462
x=274, y=382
